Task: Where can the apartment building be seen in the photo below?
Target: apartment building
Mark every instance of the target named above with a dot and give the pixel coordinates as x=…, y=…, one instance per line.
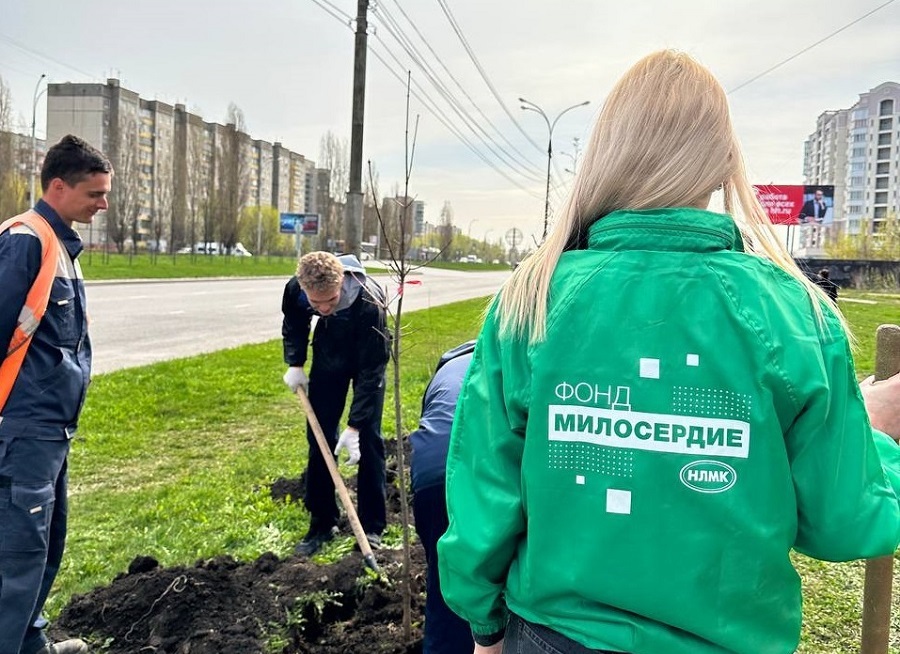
x=177, y=175
x=858, y=151
x=18, y=157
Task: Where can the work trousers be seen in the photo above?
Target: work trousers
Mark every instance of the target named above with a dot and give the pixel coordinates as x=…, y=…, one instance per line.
x=328, y=394
x=523, y=637
x=445, y=632
x=33, y=516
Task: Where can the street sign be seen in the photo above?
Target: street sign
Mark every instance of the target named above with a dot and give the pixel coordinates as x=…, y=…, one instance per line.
x=514, y=237
x=305, y=224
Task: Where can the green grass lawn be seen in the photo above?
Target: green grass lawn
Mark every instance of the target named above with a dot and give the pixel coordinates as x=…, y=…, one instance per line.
x=167, y=266
x=174, y=460
x=468, y=267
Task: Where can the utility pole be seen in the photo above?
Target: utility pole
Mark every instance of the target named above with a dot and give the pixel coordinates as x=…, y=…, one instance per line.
x=353, y=210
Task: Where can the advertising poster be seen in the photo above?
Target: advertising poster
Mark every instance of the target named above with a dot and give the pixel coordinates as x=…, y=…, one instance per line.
x=797, y=205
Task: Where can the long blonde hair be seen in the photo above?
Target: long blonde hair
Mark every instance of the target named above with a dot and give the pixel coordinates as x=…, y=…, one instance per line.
x=663, y=139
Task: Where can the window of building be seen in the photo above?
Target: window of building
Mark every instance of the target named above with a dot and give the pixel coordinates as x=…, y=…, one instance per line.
x=886, y=108
x=856, y=195
x=854, y=209
x=881, y=197
x=884, y=139
x=856, y=181
x=885, y=124
x=883, y=153
x=859, y=138
x=883, y=168
x=881, y=182
x=858, y=152
x=880, y=213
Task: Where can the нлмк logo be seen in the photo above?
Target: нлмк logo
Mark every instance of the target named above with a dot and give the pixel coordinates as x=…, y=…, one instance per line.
x=708, y=476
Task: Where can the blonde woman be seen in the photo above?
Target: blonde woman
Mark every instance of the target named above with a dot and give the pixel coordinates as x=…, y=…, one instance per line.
x=660, y=407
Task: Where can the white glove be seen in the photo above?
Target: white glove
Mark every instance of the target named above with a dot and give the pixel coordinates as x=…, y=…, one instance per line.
x=295, y=378
x=349, y=441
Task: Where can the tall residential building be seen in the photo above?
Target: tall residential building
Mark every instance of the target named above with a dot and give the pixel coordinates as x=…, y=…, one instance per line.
x=858, y=151
x=179, y=179
x=19, y=157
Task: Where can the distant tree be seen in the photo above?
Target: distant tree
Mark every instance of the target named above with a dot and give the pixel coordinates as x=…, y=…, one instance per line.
x=234, y=185
x=874, y=241
x=334, y=156
x=197, y=185
x=371, y=201
x=445, y=232
x=272, y=241
x=162, y=219
x=125, y=198
x=13, y=184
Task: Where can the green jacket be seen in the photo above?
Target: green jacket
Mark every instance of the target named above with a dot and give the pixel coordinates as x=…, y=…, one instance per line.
x=637, y=480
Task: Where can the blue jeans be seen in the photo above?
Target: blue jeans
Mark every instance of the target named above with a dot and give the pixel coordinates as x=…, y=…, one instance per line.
x=445, y=632
x=524, y=637
x=33, y=516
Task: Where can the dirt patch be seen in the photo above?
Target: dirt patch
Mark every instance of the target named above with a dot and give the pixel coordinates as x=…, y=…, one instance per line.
x=271, y=606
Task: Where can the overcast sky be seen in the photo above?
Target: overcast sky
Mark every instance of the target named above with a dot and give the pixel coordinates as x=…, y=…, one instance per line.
x=288, y=65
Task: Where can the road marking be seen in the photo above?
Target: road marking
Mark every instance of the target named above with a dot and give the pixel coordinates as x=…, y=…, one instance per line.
x=175, y=313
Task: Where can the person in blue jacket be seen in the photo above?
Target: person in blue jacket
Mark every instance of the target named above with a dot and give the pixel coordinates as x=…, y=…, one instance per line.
x=344, y=310
x=445, y=632
x=40, y=416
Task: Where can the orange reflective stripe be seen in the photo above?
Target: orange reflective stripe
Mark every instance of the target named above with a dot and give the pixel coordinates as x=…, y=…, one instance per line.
x=35, y=302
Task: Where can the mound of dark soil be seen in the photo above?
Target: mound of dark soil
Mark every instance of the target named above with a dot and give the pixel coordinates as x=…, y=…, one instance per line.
x=270, y=605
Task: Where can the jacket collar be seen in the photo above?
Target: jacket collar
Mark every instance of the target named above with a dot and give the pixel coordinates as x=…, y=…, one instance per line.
x=68, y=236
x=682, y=229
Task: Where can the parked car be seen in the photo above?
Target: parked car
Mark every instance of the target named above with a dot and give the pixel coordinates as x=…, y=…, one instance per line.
x=217, y=248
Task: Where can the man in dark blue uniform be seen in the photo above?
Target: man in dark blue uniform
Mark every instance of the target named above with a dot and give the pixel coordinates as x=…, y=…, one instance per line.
x=351, y=344
x=40, y=415
x=445, y=632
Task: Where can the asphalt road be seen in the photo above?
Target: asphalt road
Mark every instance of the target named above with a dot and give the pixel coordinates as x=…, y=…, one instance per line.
x=136, y=323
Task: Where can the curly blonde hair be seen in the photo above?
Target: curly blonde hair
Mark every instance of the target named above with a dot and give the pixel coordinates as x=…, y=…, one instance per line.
x=319, y=271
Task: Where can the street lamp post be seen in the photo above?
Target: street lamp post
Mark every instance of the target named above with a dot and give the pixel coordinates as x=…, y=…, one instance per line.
x=33, y=139
x=530, y=106
x=471, y=222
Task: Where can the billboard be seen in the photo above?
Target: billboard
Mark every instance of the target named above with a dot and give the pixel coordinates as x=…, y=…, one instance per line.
x=305, y=224
x=797, y=205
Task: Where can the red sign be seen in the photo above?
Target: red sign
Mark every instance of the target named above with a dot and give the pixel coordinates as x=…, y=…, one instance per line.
x=782, y=203
x=795, y=205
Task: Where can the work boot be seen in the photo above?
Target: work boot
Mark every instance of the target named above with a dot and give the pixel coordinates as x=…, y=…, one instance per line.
x=374, y=541
x=72, y=646
x=314, y=540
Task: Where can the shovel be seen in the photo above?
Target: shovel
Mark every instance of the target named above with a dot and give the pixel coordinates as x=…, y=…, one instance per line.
x=361, y=539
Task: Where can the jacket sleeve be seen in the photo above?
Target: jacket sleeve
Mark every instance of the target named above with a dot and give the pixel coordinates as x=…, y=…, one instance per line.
x=20, y=262
x=846, y=477
x=484, y=492
x=295, y=326
x=372, y=353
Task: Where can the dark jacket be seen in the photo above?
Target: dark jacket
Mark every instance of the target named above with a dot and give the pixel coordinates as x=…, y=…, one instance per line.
x=49, y=391
x=352, y=343
x=431, y=440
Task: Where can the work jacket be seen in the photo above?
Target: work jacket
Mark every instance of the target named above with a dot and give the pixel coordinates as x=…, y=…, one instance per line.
x=637, y=480
x=351, y=343
x=49, y=391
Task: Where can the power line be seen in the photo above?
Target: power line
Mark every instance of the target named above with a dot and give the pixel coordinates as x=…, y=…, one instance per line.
x=471, y=123
x=482, y=72
x=456, y=81
x=435, y=111
x=809, y=47
x=441, y=117
x=335, y=12
x=36, y=53
x=429, y=104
